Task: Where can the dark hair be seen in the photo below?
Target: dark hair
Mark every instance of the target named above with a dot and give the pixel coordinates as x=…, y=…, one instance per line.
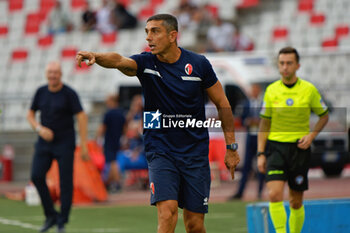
x=169, y=21
x=290, y=50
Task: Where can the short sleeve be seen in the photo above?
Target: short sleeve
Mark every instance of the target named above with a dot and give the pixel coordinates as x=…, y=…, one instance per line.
x=75, y=102
x=318, y=106
x=266, y=106
x=209, y=76
x=139, y=59
x=35, y=101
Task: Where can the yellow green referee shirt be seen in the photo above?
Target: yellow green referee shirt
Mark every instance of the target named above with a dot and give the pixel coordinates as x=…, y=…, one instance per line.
x=289, y=109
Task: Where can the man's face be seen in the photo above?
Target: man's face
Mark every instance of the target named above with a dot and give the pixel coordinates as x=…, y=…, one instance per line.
x=159, y=40
x=53, y=74
x=287, y=65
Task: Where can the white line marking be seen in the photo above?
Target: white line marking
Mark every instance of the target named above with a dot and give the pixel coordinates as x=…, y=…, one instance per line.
x=18, y=223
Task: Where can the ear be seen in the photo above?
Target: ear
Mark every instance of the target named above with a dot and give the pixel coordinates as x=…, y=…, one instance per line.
x=173, y=36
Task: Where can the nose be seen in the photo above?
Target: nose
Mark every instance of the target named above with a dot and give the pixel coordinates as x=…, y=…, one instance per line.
x=148, y=37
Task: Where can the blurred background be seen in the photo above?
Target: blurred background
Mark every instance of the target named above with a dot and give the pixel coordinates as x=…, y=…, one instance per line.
x=241, y=38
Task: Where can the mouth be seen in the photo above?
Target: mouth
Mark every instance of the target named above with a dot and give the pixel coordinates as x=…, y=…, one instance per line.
x=151, y=46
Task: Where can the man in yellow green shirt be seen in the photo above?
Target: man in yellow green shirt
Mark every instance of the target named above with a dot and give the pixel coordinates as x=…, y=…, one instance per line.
x=284, y=131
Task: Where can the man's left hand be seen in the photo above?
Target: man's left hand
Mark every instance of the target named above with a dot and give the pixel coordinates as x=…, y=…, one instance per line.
x=305, y=142
x=231, y=161
x=84, y=152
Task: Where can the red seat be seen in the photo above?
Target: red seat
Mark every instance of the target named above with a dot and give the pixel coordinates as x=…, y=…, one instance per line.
x=47, y=5
x=19, y=55
x=15, y=5
x=156, y=2
x=280, y=33
x=69, y=52
x=78, y=4
x=110, y=38
x=330, y=44
x=248, y=3
x=45, y=41
x=305, y=5
x=125, y=3
x=317, y=19
x=213, y=10
x=3, y=30
x=342, y=30
x=145, y=13
x=33, y=22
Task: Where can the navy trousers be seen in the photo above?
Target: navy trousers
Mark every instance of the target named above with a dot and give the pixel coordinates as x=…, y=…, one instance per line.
x=63, y=152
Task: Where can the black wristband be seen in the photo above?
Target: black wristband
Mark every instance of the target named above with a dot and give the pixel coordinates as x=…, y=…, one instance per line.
x=260, y=153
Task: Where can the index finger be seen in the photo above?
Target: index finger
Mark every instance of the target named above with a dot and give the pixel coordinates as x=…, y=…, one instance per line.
x=232, y=170
x=79, y=58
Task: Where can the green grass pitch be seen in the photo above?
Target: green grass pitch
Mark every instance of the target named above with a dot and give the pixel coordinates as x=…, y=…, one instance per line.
x=17, y=217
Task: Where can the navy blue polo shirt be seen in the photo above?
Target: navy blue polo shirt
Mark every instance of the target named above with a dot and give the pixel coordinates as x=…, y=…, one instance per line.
x=57, y=110
x=114, y=121
x=176, y=88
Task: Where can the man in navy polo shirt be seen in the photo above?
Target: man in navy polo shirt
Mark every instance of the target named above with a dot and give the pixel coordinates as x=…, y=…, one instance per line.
x=57, y=104
x=174, y=82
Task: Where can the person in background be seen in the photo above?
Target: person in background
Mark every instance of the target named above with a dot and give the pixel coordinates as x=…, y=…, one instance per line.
x=111, y=129
x=88, y=19
x=250, y=119
x=122, y=18
x=104, y=19
x=284, y=127
x=220, y=36
x=58, y=20
x=58, y=104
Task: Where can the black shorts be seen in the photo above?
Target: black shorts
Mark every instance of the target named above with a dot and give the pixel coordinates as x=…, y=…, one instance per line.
x=285, y=161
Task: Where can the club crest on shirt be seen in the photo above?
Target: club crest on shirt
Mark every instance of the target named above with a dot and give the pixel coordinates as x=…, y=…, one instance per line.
x=289, y=102
x=188, y=69
x=151, y=186
x=299, y=179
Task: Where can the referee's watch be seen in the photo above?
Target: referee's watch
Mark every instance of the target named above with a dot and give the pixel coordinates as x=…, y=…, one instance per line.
x=233, y=146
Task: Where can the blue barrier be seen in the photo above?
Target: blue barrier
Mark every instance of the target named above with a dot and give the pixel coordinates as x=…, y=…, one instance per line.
x=321, y=216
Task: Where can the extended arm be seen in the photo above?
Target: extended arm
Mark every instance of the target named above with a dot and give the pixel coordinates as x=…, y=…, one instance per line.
x=109, y=60
x=217, y=95
x=264, y=130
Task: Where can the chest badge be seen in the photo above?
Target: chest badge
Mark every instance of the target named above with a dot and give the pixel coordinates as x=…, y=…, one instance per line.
x=188, y=69
x=289, y=102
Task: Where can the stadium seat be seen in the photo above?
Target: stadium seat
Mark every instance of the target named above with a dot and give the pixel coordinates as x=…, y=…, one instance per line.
x=248, y=3
x=213, y=10
x=109, y=39
x=78, y=4
x=33, y=22
x=330, y=44
x=317, y=19
x=15, y=5
x=19, y=55
x=341, y=30
x=145, y=13
x=156, y=2
x=47, y=5
x=69, y=52
x=280, y=33
x=45, y=41
x=305, y=5
x=3, y=30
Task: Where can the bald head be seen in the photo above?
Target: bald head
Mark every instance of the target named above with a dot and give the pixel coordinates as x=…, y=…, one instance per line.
x=53, y=75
